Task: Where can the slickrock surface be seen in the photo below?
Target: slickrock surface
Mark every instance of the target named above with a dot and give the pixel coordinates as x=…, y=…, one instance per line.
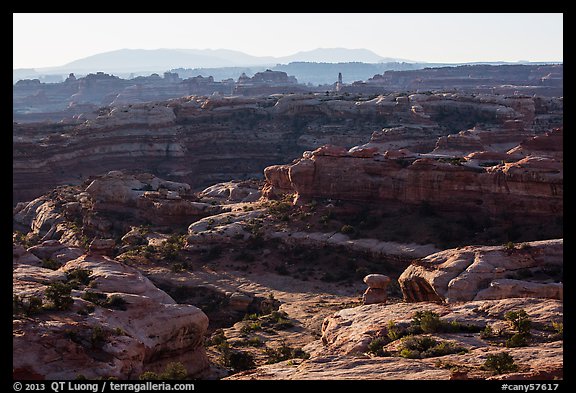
x=343, y=352
x=149, y=333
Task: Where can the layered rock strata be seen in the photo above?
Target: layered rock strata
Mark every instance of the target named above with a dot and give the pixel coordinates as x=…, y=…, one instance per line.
x=206, y=140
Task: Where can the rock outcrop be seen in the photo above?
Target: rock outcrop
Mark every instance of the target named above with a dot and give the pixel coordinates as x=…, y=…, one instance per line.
x=203, y=140
x=127, y=325
x=109, y=204
x=376, y=292
x=532, y=269
x=518, y=189
x=347, y=347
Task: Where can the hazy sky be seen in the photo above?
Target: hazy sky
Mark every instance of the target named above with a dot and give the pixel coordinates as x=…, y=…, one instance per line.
x=45, y=40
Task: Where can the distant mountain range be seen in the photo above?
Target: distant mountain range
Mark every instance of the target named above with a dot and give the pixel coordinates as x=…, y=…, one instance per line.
x=160, y=60
x=315, y=66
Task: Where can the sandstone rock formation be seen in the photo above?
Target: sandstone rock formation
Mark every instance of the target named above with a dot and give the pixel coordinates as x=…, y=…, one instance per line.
x=522, y=188
x=376, y=292
x=344, y=350
x=531, y=269
x=203, y=140
x=110, y=204
x=144, y=330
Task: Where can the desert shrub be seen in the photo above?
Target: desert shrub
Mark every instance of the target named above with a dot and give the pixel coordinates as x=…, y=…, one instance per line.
x=216, y=338
x=51, y=264
x=394, y=331
x=519, y=321
x=250, y=327
x=347, y=229
x=149, y=376
x=26, y=306
x=179, y=267
x=58, y=294
x=558, y=327
x=376, y=347
x=77, y=277
x=517, y=340
x=98, y=337
x=509, y=246
x=500, y=363
x=94, y=297
x=487, y=332
x=235, y=359
x=115, y=302
x=428, y=321
x=426, y=347
x=173, y=371
x=285, y=352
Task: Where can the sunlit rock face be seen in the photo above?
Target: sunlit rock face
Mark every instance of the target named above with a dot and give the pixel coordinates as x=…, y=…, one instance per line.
x=145, y=331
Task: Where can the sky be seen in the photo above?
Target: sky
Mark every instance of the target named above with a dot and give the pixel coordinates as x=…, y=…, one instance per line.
x=49, y=40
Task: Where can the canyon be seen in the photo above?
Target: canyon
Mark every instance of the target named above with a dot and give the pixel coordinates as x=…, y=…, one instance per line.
x=232, y=237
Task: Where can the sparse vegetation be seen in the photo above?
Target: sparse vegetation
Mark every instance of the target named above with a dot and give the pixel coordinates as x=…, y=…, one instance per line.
x=426, y=347
x=500, y=363
x=519, y=321
x=347, y=229
x=78, y=277
x=58, y=294
x=376, y=347
x=285, y=352
x=51, y=264
x=26, y=306
x=173, y=371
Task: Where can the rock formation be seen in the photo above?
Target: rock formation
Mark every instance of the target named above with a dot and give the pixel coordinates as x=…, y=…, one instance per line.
x=376, y=292
x=140, y=329
x=517, y=189
x=205, y=140
x=347, y=348
x=532, y=269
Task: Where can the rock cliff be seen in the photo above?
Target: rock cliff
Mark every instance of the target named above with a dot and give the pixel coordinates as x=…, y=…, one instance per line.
x=206, y=140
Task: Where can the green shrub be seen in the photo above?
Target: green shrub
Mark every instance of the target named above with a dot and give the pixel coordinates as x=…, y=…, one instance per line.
x=285, y=352
x=216, y=338
x=250, y=327
x=487, y=332
x=173, y=371
x=347, y=229
x=94, y=297
x=428, y=321
x=115, y=302
x=376, y=347
x=77, y=277
x=236, y=360
x=59, y=294
x=426, y=347
x=517, y=340
x=149, y=376
x=558, y=327
x=519, y=321
x=500, y=363
x=26, y=306
x=51, y=264
x=395, y=332
x=98, y=337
